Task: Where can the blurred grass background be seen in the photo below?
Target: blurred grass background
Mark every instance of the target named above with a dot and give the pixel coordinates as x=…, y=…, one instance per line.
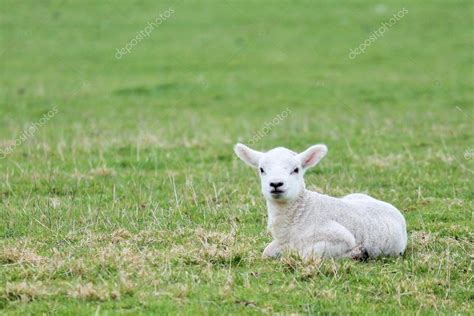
x=143, y=144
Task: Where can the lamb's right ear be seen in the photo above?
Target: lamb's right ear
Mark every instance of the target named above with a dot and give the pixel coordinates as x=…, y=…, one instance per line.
x=248, y=155
x=312, y=155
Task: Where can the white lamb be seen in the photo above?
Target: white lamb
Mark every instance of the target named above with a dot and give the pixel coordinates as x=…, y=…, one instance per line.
x=316, y=225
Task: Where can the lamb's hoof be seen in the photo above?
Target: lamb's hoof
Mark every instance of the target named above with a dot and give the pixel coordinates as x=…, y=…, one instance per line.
x=268, y=255
x=360, y=254
x=272, y=250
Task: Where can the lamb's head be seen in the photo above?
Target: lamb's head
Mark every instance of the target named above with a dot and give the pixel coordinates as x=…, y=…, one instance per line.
x=281, y=170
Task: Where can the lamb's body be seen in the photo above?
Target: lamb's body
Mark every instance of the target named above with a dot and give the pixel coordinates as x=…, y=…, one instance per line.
x=318, y=225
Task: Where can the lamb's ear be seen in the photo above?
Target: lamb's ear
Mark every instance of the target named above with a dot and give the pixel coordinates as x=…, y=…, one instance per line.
x=248, y=155
x=312, y=155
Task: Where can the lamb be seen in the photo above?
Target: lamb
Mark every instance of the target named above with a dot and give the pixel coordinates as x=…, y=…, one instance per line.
x=315, y=225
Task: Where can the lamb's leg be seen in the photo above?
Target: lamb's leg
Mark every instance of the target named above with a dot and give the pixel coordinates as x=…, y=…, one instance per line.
x=331, y=240
x=324, y=249
x=273, y=250
x=358, y=253
x=327, y=249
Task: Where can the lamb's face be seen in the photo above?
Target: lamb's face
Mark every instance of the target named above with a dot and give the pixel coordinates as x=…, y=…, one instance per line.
x=281, y=170
x=281, y=174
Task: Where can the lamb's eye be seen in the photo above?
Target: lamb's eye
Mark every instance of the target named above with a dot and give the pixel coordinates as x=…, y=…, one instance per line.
x=296, y=170
x=262, y=171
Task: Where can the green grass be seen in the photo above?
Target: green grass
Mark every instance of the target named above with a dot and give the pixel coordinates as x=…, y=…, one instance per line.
x=130, y=199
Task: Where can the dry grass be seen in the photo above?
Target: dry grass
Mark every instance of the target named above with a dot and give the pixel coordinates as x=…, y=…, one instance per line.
x=131, y=200
x=127, y=261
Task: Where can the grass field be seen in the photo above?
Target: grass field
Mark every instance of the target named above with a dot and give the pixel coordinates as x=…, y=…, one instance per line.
x=128, y=197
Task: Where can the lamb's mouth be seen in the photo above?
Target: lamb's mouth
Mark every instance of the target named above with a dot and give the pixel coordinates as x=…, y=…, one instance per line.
x=276, y=193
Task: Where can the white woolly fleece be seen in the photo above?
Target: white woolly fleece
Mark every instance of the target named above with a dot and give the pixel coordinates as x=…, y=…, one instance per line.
x=316, y=225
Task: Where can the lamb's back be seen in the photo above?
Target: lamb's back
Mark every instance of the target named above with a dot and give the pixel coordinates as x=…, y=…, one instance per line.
x=375, y=224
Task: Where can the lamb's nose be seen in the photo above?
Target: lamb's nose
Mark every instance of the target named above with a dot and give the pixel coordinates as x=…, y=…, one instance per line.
x=276, y=185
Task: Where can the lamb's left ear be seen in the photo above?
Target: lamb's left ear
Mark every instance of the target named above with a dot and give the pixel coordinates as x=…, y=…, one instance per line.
x=248, y=155
x=312, y=155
